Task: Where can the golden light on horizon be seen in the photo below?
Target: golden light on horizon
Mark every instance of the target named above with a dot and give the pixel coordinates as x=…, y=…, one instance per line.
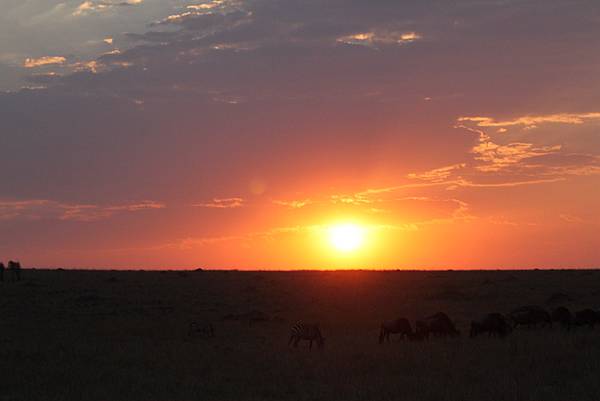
x=346, y=237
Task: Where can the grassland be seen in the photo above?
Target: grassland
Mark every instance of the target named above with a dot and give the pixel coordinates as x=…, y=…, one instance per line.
x=77, y=335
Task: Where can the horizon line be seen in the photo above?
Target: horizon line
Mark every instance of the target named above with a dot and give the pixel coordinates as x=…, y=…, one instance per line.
x=383, y=270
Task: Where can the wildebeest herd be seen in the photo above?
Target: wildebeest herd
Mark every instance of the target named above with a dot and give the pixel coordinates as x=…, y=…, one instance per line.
x=492, y=324
x=440, y=325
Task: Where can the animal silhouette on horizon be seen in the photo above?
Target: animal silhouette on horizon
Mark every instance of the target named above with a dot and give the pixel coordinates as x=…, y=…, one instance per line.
x=200, y=329
x=399, y=326
x=440, y=325
x=494, y=324
x=530, y=316
x=421, y=331
x=307, y=332
x=586, y=317
x=15, y=268
x=563, y=316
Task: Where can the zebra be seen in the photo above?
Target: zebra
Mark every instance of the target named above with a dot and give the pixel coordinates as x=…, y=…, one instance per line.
x=204, y=330
x=308, y=332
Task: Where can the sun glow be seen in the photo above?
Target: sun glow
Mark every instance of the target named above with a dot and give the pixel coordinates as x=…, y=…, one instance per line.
x=346, y=237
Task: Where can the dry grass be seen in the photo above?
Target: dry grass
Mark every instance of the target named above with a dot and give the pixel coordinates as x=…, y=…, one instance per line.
x=123, y=336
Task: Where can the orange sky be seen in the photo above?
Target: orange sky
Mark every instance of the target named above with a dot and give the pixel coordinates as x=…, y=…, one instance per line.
x=235, y=134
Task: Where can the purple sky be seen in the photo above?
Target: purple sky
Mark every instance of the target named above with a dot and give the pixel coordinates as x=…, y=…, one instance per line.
x=154, y=133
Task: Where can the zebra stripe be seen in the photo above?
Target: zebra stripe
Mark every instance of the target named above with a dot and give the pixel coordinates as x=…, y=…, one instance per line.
x=307, y=332
x=201, y=329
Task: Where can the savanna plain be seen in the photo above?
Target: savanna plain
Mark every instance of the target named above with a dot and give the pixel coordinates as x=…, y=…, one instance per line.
x=123, y=335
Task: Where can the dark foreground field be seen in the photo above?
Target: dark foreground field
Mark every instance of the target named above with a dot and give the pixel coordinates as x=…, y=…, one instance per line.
x=71, y=335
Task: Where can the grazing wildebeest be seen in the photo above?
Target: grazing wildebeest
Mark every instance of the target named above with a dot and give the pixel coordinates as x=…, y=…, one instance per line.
x=204, y=330
x=2, y=271
x=440, y=325
x=563, y=316
x=586, y=317
x=530, y=316
x=421, y=330
x=494, y=324
x=307, y=332
x=399, y=326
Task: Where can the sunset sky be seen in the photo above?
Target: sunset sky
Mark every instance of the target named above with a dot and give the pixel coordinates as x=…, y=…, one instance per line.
x=236, y=134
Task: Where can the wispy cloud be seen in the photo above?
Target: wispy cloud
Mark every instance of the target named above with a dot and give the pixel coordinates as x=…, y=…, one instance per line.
x=496, y=157
x=439, y=174
x=542, y=162
x=375, y=38
x=272, y=234
x=38, y=209
x=43, y=61
x=222, y=203
x=352, y=199
x=531, y=121
x=90, y=6
x=570, y=218
x=222, y=7
x=502, y=184
x=294, y=204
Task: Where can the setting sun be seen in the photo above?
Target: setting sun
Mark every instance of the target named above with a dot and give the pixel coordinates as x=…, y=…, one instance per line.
x=346, y=237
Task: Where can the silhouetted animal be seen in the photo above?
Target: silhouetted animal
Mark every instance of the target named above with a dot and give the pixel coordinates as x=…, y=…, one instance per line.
x=586, y=317
x=15, y=268
x=421, y=330
x=399, y=326
x=418, y=336
x=530, y=316
x=563, y=316
x=494, y=324
x=2, y=271
x=205, y=330
x=440, y=325
x=307, y=332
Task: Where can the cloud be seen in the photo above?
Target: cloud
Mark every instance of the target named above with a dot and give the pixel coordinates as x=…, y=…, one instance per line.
x=527, y=158
x=531, y=121
x=41, y=209
x=495, y=157
x=92, y=66
x=294, y=204
x=353, y=199
x=272, y=234
x=453, y=210
x=211, y=5
x=136, y=207
x=501, y=184
x=43, y=61
x=94, y=6
x=222, y=203
x=373, y=39
x=439, y=174
x=191, y=242
x=215, y=7
x=569, y=218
